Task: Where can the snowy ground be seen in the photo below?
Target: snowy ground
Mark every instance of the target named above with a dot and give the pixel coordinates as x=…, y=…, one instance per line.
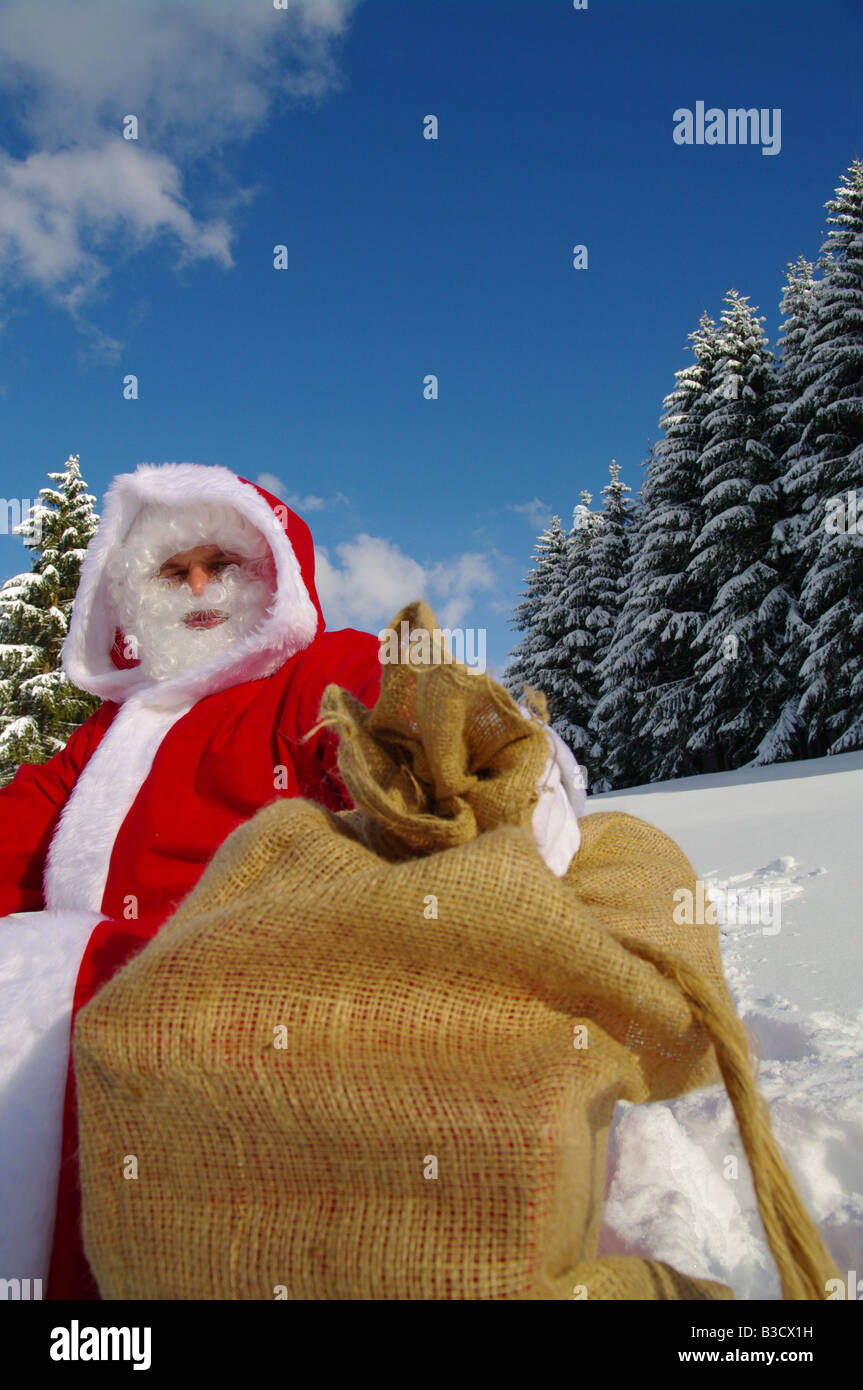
x=797, y=830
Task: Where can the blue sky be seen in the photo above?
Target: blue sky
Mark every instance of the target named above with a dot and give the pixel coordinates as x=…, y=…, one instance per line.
x=406, y=256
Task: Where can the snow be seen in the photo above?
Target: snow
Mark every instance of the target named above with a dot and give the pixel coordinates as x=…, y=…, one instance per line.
x=793, y=831
x=16, y=729
x=39, y=957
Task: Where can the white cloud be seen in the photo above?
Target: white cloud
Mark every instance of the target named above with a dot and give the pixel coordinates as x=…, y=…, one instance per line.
x=56, y=207
x=537, y=513
x=310, y=503
x=198, y=75
x=454, y=583
x=373, y=578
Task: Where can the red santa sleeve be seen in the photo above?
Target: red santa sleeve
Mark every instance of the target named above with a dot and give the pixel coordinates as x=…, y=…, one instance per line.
x=351, y=660
x=30, y=807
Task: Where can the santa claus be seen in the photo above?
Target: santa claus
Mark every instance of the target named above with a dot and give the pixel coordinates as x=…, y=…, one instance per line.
x=198, y=625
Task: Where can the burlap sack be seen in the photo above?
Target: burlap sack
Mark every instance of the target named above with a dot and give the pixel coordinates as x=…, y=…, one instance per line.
x=376, y=1055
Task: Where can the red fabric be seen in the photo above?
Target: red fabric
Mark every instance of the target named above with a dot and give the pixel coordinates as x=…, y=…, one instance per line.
x=118, y=652
x=214, y=769
x=302, y=545
x=30, y=807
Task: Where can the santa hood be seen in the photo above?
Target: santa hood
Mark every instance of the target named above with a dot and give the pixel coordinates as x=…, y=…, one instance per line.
x=91, y=653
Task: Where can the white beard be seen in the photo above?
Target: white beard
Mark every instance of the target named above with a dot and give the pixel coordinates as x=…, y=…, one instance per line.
x=153, y=619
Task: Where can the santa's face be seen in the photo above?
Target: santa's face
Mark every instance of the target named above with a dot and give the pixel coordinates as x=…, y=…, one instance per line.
x=197, y=568
x=201, y=602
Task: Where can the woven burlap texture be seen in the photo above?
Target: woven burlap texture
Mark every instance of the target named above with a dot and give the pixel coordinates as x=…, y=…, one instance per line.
x=376, y=1055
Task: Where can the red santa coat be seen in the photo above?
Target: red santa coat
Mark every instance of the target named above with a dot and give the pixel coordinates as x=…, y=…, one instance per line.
x=126, y=818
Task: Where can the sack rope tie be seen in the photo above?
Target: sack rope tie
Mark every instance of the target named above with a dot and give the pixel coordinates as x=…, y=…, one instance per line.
x=802, y=1259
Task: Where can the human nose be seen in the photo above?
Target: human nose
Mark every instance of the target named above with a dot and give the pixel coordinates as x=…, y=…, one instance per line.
x=198, y=579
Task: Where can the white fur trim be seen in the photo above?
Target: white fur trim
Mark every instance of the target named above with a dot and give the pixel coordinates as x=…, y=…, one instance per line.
x=562, y=801
x=40, y=953
x=76, y=869
x=289, y=628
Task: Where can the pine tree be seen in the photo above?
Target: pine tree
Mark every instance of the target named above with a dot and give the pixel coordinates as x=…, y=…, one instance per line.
x=796, y=306
x=827, y=476
x=39, y=707
x=609, y=574
x=619, y=691
x=569, y=676
x=665, y=607
x=608, y=561
x=740, y=686
x=787, y=739
x=531, y=654
x=792, y=406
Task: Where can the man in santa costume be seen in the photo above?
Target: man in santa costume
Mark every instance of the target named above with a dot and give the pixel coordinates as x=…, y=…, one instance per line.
x=198, y=625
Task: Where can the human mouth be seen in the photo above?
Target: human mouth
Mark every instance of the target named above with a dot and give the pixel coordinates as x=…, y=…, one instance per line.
x=205, y=617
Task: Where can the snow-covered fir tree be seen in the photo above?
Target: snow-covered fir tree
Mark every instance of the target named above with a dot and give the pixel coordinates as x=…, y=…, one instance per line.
x=569, y=677
x=617, y=705
x=609, y=553
x=741, y=689
x=39, y=708
x=787, y=738
x=664, y=609
x=796, y=307
x=827, y=478
x=531, y=615
x=608, y=578
x=792, y=406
